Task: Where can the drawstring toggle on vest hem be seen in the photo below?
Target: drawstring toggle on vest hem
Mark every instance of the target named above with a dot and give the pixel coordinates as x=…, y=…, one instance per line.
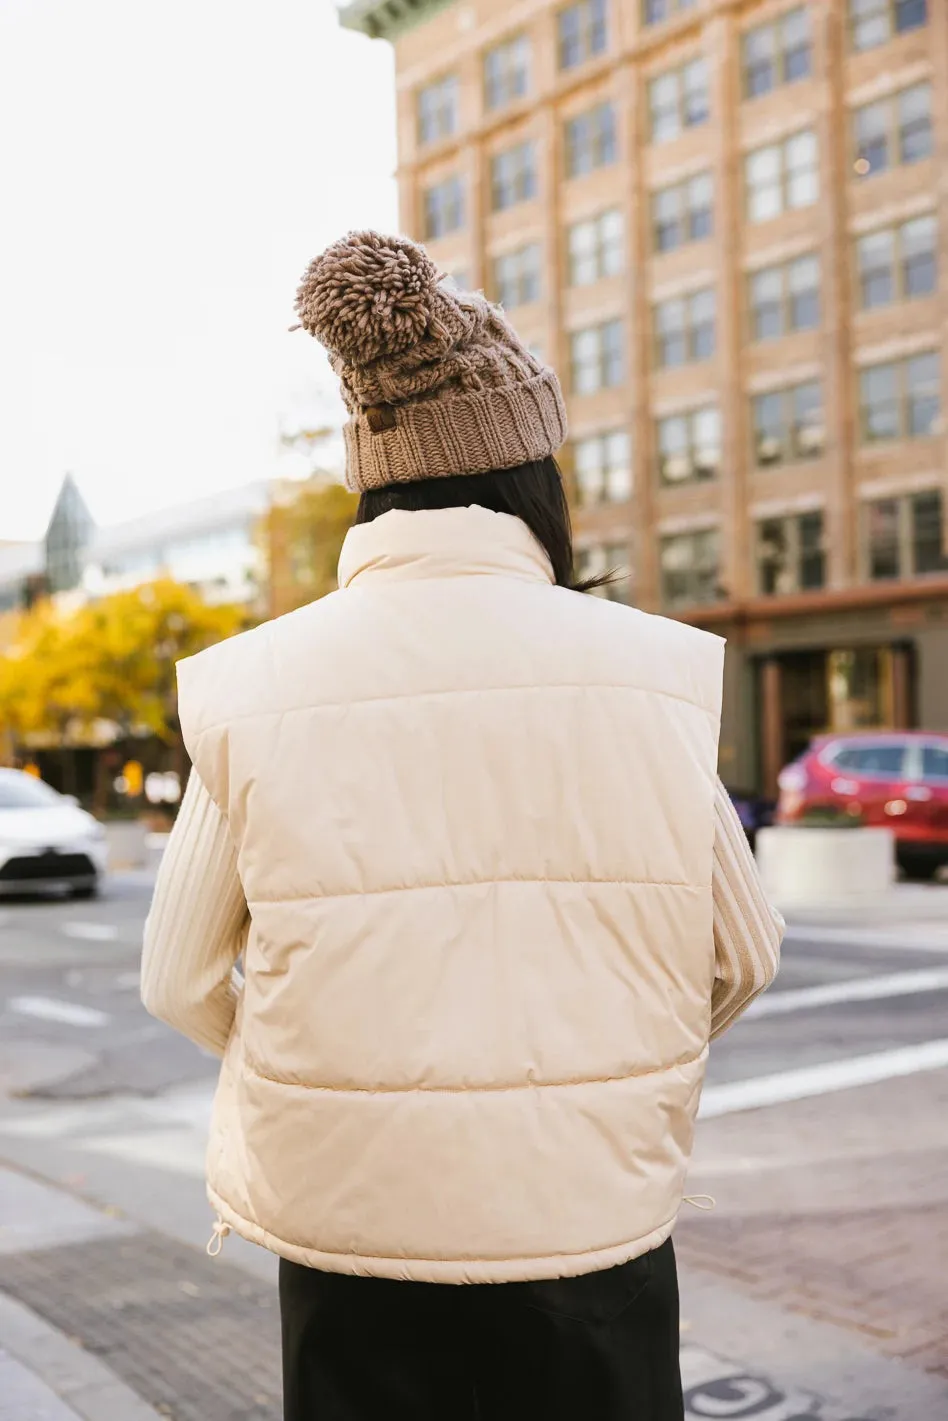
x=216, y=1241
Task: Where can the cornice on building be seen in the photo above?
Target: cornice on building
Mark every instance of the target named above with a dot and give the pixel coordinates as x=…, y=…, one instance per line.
x=387, y=19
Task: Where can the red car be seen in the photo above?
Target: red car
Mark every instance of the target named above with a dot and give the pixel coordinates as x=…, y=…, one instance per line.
x=898, y=779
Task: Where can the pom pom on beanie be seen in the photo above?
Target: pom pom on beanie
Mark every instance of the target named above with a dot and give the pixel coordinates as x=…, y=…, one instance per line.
x=368, y=295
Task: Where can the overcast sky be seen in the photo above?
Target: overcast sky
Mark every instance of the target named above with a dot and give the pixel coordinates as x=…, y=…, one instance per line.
x=166, y=172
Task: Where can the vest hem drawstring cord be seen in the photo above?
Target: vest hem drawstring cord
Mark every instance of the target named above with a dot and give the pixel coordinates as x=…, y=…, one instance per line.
x=216, y=1241
x=704, y=1202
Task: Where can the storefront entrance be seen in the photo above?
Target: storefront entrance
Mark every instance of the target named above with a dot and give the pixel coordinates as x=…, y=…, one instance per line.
x=802, y=694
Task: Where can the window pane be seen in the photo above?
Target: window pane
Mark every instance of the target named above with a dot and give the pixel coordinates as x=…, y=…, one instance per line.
x=809, y=434
x=767, y=303
x=570, y=36
x=530, y=274
x=775, y=572
x=584, y=351
x=871, y=129
x=927, y=527
x=618, y=466
x=909, y=14
x=613, y=362
x=875, y=255
x=804, y=285
x=760, y=67
x=674, y=459
x=610, y=238
x=702, y=319
x=879, y=399
x=768, y=428
x=763, y=184
x=915, y=124
x=812, y=568
x=582, y=254
x=795, y=38
x=606, y=135
x=671, y=343
x=882, y=521
x=666, y=207
x=596, y=21
x=802, y=176
x=870, y=22
x=919, y=269
x=589, y=472
x=695, y=99
x=700, y=192
x=706, y=440
x=922, y=390
x=663, y=106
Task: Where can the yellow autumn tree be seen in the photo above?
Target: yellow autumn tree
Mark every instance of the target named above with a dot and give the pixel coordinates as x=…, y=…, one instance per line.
x=111, y=660
x=303, y=536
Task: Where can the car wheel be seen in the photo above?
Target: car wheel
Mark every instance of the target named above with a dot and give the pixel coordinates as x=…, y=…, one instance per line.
x=86, y=892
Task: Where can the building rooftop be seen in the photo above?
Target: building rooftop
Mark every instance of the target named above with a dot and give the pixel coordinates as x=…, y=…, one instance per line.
x=182, y=521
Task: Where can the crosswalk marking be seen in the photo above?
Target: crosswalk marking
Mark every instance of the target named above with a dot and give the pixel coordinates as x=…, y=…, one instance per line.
x=858, y=989
x=823, y=1079
x=91, y=932
x=69, y=1013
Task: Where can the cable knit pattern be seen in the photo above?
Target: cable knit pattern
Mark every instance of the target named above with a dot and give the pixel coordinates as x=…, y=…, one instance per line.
x=436, y=382
x=197, y=926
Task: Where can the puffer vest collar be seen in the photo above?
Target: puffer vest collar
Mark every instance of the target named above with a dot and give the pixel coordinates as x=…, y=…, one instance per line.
x=442, y=543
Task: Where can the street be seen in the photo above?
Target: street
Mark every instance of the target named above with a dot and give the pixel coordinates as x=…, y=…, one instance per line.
x=814, y=1287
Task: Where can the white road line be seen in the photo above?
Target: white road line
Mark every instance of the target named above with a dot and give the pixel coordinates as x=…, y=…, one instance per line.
x=91, y=932
x=854, y=989
x=69, y=1013
x=892, y=939
x=823, y=1079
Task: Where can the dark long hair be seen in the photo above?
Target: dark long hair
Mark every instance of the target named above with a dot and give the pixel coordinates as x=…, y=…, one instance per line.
x=532, y=492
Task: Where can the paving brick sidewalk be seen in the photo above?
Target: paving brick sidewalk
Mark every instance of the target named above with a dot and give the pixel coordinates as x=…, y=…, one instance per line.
x=851, y=1227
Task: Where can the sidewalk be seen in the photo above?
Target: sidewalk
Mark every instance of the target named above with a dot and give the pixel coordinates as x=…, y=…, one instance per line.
x=102, y=1319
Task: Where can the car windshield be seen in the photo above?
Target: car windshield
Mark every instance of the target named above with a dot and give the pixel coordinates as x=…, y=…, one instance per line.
x=18, y=791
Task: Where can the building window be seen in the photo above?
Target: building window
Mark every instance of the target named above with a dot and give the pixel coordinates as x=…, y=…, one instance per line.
x=602, y=558
x=597, y=358
x=679, y=100
x=507, y=72
x=900, y=399
x=457, y=280
x=785, y=298
x=778, y=53
x=782, y=176
x=683, y=213
x=603, y=468
x=875, y=21
x=438, y=110
x=513, y=176
x=893, y=131
x=684, y=328
x=591, y=140
x=517, y=277
x=790, y=555
x=444, y=207
x=582, y=32
x=904, y=536
x=689, y=446
x=654, y=12
x=595, y=248
x=788, y=425
x=689, y=568
x=898, y=263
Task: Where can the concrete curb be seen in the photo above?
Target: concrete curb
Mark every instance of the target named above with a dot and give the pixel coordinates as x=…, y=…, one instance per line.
x=83, y=1382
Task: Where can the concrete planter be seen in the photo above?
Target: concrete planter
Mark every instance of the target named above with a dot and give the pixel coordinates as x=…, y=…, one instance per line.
x=808, y=867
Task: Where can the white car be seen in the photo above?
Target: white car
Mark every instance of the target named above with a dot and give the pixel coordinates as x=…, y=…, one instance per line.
x=46, y=840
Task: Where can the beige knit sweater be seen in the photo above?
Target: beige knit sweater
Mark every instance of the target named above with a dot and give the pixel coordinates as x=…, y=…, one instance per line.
x=198, y=925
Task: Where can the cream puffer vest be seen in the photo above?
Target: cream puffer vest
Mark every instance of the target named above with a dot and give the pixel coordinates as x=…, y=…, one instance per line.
x=474, y=822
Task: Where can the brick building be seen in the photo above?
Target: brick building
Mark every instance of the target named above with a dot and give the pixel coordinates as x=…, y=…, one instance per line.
x=721, y=221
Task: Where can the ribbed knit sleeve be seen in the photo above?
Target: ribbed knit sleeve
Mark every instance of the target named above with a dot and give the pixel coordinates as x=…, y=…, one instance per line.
x=747, y=930
x=197, y=927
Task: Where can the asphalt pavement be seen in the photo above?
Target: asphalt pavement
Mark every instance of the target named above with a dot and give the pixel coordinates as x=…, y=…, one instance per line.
x=815, y=1287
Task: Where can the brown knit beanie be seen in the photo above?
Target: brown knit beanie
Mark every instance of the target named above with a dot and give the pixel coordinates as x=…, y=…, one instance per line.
x=435, y=381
